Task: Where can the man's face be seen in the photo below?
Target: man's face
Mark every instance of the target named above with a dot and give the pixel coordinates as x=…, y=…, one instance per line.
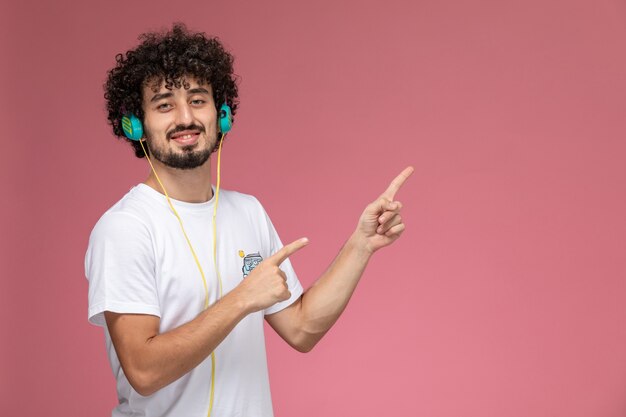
x=180, y=124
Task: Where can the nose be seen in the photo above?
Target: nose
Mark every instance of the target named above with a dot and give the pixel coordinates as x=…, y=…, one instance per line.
x=184, y=115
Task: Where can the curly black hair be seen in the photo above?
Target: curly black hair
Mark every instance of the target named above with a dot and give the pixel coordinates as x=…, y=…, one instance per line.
x=167, y=57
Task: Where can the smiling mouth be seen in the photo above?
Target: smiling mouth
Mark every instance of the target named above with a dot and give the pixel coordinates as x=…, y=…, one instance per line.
x=186, y=139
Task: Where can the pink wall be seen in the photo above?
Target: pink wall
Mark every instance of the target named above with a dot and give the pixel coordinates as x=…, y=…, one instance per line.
x=505, y=297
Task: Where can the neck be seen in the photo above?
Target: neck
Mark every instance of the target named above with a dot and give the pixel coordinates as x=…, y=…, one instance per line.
x=189, y=185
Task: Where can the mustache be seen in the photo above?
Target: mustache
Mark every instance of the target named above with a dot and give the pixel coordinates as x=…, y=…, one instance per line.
x=182, y=128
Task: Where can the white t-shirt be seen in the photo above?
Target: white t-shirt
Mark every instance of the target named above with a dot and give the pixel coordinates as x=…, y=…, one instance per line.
x=138, y=261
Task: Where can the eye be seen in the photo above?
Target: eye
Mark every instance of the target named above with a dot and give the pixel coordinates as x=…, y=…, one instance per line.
x=164, y=106
x=198, y=102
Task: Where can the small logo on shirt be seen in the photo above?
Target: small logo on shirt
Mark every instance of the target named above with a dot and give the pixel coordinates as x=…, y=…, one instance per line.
x=250, y=262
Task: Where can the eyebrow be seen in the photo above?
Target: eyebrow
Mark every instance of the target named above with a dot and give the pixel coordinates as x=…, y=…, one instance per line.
x=198, y=90
x=158, y=97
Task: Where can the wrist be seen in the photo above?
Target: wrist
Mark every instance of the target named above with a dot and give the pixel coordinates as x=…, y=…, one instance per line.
x=359, y=245
x=240, y=302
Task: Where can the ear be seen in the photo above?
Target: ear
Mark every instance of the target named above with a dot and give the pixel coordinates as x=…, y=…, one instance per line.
x=132, y=127
x=225, y=118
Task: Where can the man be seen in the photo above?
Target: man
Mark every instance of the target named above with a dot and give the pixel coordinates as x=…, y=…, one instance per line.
x=184, y=329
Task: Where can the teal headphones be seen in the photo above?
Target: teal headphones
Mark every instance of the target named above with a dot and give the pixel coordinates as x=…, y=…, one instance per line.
x=133, y=129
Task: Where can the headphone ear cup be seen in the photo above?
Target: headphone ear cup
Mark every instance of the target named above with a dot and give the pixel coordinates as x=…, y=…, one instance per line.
x=132, y=127
x=226, y=118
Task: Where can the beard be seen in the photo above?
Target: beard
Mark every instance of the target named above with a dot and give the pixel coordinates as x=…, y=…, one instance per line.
x=188, y=158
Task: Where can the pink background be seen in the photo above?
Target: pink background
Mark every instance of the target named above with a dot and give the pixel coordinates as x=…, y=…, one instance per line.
x=506, y=295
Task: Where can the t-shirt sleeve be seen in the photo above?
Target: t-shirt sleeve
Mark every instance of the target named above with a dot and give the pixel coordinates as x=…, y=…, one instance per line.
x=292, y=279
x=120, y=268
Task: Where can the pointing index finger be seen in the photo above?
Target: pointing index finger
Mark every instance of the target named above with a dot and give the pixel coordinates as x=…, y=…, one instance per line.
x=397, y=182
x=288, y=250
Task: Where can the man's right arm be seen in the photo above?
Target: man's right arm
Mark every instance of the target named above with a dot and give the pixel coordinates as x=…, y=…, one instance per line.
x=152, y=361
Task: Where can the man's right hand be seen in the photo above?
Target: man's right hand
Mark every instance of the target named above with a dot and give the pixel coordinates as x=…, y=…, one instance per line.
x=267, y=283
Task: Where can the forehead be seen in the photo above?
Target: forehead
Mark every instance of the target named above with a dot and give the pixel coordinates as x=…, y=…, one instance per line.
x=154, y=86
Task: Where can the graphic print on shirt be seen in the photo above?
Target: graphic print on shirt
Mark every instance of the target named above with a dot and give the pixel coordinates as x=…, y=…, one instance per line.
x=250, y=262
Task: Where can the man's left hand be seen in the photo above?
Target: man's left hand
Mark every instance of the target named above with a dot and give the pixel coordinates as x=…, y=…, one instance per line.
x=381, y=224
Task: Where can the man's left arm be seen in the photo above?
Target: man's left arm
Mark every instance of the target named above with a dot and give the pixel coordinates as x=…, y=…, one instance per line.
x=305, y=322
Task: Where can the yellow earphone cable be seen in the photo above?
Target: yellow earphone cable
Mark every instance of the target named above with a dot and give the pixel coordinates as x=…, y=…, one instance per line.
x=217, y=198
x=219, y=278
x=193, y=252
